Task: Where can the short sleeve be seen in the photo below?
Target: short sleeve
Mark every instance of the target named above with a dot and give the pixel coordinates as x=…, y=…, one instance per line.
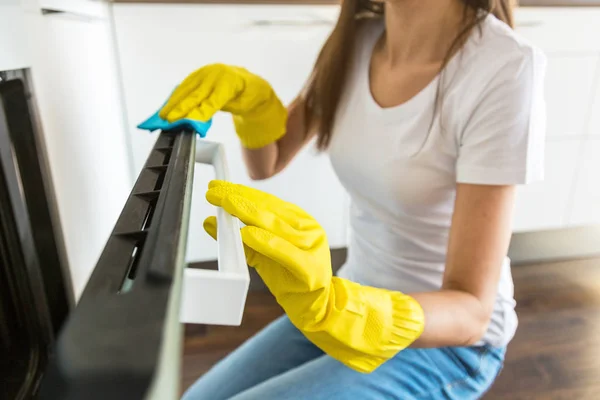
x=503, y=140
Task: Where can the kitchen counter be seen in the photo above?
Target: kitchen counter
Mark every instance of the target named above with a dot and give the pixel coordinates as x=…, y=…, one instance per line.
x=522, y=3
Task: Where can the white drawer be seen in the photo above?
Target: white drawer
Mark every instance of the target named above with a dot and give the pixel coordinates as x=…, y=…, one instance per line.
x=228, y=18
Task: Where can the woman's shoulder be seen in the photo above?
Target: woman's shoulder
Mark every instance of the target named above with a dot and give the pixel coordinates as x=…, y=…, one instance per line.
x=498, y=73
x=497, y=48
x=495, y=58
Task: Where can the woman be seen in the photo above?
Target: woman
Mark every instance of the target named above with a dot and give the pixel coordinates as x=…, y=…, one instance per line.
x=432, y=111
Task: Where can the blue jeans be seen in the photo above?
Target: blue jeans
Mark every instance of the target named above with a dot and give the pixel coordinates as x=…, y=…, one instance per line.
x=280, y=363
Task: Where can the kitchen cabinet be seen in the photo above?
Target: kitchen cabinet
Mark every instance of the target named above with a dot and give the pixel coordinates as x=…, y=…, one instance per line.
x=569, y=93
x=594, y=126
x=182, y=38
x=76, y=81
x=586, y=195
x=568, y=38
x=560, y=29
x=572, y=91
x=13, y=48
x=82, y=8
x=279, y=43
x=545, y=204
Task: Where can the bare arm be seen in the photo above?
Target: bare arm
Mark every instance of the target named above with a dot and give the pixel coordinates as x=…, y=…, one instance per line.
x=459, y=314
x=267, y=161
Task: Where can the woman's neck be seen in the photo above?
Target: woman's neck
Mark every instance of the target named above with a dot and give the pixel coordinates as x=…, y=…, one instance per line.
x=420, y=31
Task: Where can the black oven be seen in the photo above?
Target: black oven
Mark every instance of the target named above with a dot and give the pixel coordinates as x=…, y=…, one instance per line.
x=35, y=292
x=122, y=340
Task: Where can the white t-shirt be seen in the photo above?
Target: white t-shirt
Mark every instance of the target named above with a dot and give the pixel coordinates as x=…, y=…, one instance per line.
x=401, y=176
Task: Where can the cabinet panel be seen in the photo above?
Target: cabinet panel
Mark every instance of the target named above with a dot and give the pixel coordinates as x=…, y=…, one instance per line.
x=544, y=205
x=13, y=48
x=586, y=205
x=279, y=43
x=560, y=29
x=82, y=8
x=79, y=103
x=594, y=125
x=569, y=93
x=191, y=35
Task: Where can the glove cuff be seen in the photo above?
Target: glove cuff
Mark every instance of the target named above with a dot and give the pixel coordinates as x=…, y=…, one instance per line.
x=408, y=319
x=263, y=126
x=365, y=326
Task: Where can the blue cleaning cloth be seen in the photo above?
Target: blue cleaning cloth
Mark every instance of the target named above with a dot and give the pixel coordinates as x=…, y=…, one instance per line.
x=155, y=123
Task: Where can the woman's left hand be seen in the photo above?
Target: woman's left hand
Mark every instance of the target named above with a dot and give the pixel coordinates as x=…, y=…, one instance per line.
x=360, y=326
x=286, y=246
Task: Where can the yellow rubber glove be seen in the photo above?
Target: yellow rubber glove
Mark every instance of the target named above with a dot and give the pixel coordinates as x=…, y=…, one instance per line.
x=258, y=114
x=360, y=326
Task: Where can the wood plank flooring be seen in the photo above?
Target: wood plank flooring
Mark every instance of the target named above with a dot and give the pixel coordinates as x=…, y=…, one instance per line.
x=555, y=354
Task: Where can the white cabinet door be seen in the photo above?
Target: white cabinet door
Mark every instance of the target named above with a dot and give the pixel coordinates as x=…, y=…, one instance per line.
x=572, y=62
x=79, y=103
x=182, y=38
x=279, y=43
x=586, y=204
x=81, y=8
x=594, y=124
x=560, y=29
x=13, y=48
x=568, y=37
x=545, y=205
x=569, y=93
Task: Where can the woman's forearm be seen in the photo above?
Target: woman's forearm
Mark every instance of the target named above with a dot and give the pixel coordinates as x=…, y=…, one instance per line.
x=261, y=162
x=452, y=318
x=269, y=160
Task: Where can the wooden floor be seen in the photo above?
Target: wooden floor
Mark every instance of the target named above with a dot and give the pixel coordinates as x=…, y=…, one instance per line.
x=555, y=354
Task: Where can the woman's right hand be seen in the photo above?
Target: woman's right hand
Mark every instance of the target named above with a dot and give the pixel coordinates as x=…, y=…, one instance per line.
x=258, y=114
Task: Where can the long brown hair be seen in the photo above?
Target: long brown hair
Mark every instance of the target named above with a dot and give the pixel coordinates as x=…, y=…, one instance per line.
x=333, y=63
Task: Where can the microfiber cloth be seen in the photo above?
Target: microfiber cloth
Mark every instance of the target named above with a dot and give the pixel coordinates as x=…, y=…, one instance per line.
x=155, y=122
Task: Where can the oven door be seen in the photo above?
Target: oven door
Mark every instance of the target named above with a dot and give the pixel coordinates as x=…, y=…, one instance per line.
x=35, y=295
x=123, y=340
